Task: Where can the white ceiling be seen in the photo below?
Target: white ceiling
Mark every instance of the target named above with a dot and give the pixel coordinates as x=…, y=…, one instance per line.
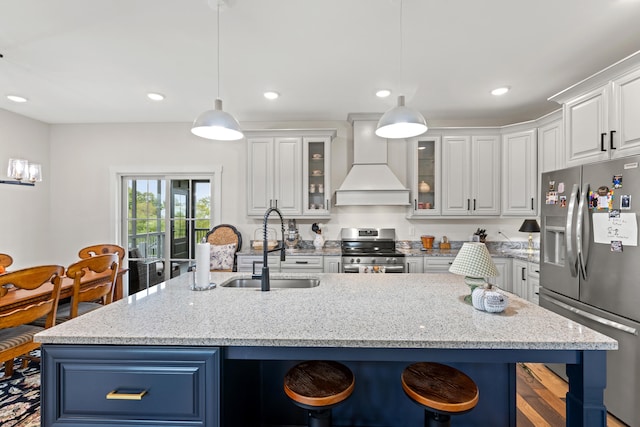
x=85, y=61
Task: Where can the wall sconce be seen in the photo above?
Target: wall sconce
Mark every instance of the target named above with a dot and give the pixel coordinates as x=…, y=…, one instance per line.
x=23, y=172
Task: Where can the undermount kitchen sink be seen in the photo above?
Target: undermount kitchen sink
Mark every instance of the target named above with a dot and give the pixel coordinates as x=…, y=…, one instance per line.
x=292, y=283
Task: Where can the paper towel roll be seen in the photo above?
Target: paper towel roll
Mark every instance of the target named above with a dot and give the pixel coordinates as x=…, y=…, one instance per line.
x=203, y=257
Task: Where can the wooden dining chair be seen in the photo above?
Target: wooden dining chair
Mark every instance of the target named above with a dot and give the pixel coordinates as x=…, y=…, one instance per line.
x=16, y=333
x=220, y=237
x=89, y=298
x=5, y=261
x=107, y=248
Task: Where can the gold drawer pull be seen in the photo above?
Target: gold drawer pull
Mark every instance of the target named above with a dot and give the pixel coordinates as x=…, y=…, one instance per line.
x=115, y=395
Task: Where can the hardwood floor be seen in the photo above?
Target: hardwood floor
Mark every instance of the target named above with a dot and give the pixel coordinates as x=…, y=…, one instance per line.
x=540, y=398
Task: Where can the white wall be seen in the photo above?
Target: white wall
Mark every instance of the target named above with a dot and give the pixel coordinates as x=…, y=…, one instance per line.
x=24, y=211
x=74, y=206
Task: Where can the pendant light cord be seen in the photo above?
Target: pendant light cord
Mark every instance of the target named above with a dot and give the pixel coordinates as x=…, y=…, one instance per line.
x=218, y=50
x=401, y=51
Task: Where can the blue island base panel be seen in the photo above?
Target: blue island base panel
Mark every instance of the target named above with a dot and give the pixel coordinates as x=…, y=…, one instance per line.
x=378, y=399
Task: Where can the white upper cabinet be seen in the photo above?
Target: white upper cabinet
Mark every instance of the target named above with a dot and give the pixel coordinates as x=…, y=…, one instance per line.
x=282, y=167
x=551, y=143
x=519, y=173
x=470, y=175
x=601, y=114
x=424, y=176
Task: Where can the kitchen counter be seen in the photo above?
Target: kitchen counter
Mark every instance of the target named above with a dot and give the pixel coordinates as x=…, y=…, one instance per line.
x=421, y=311
x=374, y=323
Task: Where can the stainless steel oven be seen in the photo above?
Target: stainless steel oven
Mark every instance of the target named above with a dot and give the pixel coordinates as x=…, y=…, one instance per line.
x=370, y=250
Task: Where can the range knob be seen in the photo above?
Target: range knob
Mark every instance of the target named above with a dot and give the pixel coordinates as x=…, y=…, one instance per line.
x=373, y=260
x=389, y=260
x=352, y=261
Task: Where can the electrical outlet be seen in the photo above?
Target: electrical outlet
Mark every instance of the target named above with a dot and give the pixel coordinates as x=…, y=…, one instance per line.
x=412, y=231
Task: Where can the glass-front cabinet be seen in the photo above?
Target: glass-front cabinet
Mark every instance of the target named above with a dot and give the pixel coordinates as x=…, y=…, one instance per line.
x=316, y=169
x=424, y=168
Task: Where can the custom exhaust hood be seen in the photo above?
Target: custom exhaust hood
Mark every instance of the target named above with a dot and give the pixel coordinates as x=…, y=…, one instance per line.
x=370, y=181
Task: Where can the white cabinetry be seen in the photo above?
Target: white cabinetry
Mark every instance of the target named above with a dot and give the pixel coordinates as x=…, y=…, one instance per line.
x=246, y=262
x=551, y=143
x=519, y=173
x=471, y=175
x=533, y=282
x=414, y=264
x=503, y=281
x=601, y=114
x=302, y=264
x=282, y=165
x=424, y=176
x=520, y=273
x=331, y=264
x=437, y=264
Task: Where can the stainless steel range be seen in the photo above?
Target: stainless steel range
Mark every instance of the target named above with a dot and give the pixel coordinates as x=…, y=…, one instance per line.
x=370, y=250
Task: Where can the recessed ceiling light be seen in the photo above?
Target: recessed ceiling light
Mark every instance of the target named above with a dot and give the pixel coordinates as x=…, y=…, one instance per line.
x=271, y=95
x=500, y=91
x=154, y=96
x=16, y=98
x=383, y=93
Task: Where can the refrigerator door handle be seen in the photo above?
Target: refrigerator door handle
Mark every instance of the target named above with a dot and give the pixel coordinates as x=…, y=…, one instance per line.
x=583, y=253
x=572, y=258
x=587, y=315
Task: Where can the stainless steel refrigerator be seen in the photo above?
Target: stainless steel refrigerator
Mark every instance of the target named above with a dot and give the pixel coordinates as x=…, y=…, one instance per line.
x=590, y=265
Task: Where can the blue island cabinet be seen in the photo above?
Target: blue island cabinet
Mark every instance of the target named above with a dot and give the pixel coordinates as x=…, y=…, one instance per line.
x=130, y=386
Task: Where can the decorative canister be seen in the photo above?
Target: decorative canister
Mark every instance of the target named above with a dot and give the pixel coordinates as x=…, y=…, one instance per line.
x=427, y=241
x=423, y=187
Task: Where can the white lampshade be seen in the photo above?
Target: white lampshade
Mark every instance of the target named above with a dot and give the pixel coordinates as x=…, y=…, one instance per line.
x=216, y=124
x=474, y=262
x=401, y=122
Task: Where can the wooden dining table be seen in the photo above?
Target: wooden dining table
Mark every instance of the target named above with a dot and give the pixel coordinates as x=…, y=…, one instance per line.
x=16, y=298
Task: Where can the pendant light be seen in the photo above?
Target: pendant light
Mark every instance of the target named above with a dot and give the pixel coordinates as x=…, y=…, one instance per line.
x=401, y=121
x=216, y=124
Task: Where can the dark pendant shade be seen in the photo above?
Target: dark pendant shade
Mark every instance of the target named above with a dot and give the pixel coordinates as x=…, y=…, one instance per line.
x=530, y=226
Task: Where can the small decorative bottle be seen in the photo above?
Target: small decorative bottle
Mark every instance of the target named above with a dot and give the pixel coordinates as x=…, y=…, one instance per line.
x=318, y=242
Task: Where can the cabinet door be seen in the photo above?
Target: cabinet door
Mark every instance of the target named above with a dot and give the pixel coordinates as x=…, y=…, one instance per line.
x=550, y=147
x=260, y=175
x=625, y=122
x=519, y=165
x=332, y=264
x=316, y=173
x=503, y=281
x=288, y=175
x=456, y=170
x=424, y=170
x=520, y=278
x=414, y=264
x=586, y=127
x=485, y=175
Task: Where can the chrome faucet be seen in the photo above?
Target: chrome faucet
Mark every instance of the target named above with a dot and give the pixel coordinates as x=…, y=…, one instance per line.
x=264, y=277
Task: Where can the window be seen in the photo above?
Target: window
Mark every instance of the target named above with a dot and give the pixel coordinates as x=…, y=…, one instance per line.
x=163, y=217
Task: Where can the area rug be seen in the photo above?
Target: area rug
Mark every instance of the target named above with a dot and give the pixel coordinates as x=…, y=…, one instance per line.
x=20, y=396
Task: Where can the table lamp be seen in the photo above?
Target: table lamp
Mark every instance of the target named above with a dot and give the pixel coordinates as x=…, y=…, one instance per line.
x=530, y=226
x=475, y=263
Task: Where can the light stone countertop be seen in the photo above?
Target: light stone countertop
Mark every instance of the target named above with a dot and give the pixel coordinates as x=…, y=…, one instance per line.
x=345, y=310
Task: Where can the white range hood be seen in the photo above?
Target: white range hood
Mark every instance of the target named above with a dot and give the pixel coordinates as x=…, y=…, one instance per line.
x=370, y=181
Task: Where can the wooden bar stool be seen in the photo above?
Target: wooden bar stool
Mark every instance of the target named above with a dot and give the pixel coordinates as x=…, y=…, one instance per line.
x=442, y=391
x=318, y=386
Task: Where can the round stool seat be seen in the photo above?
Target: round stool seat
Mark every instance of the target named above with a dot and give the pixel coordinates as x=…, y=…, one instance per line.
x=319, y=383
x=440, y=387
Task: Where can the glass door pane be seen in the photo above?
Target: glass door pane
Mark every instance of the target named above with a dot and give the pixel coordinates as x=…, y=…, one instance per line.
x=426, y=175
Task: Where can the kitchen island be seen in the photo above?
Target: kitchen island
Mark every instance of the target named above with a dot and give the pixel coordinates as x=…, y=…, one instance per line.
x=228, y=348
